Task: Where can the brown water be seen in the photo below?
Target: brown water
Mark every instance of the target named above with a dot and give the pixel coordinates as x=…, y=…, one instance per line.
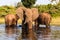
x=52, y=33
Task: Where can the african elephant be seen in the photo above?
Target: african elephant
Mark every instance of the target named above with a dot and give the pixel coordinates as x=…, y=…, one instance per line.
x=27, y=15
x=44, y=18
x=10, y=20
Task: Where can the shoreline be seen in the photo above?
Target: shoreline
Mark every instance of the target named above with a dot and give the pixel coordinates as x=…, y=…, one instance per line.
x=55, y=21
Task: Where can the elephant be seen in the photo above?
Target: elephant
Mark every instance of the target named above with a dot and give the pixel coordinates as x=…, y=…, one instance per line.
x=11, y=20
x=27, y=15
x=44, y=18
x=19, y=12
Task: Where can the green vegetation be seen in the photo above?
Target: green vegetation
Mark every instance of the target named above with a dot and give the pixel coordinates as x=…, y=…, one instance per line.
x=4, y=10
x=54, y=10
x=28, y=3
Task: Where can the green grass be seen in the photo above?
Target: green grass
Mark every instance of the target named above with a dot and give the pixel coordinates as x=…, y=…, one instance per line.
x=55, y=21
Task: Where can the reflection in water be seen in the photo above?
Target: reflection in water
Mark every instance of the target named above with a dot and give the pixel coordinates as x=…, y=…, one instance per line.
x=56, y=35
x=43, y=33
x=10, y=30
x=28, y=34
x=31, y=35
x=9, y=33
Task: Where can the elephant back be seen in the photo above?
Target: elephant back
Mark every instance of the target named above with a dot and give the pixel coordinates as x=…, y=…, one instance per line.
x=48, y=17
x=45, y=17
x=35, y=13
x=10, y=18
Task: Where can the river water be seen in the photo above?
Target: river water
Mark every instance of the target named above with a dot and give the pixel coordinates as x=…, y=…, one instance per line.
x=13, y=35
x=52, y=33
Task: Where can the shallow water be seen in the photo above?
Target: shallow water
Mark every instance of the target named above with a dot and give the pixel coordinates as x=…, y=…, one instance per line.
x=9, y=35
x=52, y=33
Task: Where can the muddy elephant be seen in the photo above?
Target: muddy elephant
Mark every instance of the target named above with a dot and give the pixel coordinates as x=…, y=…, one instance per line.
x=44, y=19
x=11, y=20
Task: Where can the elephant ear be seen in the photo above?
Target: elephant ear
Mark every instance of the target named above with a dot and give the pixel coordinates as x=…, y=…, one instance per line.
x=19, y=13
x=35, y=13
x=28, y=14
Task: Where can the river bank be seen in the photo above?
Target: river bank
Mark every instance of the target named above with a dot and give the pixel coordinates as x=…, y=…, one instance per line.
x=55, y=21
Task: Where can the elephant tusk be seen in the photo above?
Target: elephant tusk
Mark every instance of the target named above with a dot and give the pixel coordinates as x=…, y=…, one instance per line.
x=25, y=22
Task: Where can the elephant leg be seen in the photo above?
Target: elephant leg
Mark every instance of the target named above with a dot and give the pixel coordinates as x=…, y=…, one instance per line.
x=47, y=25
x=36, y=26
x=24, y=30
x=16, y=24
x=6, y=27
x=6, y=24
x=15, y=27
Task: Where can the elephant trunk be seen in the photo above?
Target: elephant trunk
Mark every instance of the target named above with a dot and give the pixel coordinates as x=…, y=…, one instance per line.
x=28, y=15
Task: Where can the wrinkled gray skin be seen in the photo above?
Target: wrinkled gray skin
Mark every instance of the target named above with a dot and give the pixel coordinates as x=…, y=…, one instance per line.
x=44, y=18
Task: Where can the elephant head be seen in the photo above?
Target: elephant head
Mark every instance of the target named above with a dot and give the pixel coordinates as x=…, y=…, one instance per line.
x=24, y=14
x=28, y=13
x=19, y=12
x=31, y=14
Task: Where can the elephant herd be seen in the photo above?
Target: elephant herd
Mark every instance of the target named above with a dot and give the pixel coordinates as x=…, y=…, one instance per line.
x=28, y=15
